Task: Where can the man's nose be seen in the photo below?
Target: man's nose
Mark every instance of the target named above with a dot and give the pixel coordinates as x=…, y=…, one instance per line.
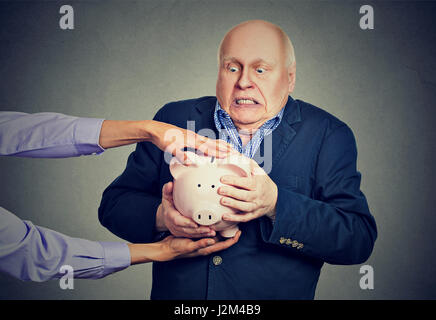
x=244, y=81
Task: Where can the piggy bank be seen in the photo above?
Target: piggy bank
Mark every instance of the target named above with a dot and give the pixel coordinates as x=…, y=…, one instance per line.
x=195, y=190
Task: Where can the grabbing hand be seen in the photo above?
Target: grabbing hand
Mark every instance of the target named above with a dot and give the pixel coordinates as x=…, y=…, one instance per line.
x=174, y=140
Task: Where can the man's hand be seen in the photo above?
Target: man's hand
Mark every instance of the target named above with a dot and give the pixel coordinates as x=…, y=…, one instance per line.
x=173, y=248
x=174, y=140
x=168, y=218
x=252, y=196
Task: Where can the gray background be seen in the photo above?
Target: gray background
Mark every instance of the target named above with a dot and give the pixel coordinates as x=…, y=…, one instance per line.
x=124, y=60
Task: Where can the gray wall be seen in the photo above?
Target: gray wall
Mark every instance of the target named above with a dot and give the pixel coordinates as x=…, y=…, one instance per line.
x=124, y=60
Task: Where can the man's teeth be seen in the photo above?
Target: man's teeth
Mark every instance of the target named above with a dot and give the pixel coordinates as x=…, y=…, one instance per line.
x=245, y=101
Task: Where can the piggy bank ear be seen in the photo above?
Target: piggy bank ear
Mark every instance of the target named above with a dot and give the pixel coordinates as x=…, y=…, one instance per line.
x=177, y=168
x=239, y=164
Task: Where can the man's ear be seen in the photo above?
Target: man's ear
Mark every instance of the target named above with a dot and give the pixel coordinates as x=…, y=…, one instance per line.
x=291, y=76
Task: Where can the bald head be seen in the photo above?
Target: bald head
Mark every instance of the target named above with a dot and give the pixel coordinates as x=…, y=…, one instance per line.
x=256, y=72
x=260, y=28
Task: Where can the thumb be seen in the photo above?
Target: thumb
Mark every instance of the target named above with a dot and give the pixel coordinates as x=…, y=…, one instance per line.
x=255, y=169
x=167, y=190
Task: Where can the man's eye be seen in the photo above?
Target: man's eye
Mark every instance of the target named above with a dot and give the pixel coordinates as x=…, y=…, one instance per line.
x=260, y=70
x=233, y=69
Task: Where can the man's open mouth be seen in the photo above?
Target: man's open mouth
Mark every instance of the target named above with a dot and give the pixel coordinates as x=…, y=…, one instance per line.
x=245, y=101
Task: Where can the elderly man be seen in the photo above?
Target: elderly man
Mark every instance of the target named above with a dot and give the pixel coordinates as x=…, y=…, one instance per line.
x=308, y=210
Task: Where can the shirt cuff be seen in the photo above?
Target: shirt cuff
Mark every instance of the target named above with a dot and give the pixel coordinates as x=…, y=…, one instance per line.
x=116, y=257
x=87, y=136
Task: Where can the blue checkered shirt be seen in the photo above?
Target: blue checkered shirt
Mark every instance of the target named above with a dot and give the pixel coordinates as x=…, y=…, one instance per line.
x=229, y=133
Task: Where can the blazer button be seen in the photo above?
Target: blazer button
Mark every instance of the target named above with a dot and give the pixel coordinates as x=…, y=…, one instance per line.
x=217, y=260
x=300, y=245
x=282, y=240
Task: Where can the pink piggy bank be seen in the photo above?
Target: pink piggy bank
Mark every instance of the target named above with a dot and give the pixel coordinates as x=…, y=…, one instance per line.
x=195, y=191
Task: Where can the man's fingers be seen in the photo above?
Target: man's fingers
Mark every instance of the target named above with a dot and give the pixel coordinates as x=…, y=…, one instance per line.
x=200, y=231
x=247, y=183
x=242, y=217
x=180, y=220
x=238, y=205
x=167, y=190
x=195, y=232
x=235, y=193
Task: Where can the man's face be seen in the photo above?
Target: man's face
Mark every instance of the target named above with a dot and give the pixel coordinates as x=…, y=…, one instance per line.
x=253, y=78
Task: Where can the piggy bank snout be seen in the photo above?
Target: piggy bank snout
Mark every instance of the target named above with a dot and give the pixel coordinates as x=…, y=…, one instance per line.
x=206, y=217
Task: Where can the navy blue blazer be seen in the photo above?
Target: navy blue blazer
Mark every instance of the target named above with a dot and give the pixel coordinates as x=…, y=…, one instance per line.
x=322, y=216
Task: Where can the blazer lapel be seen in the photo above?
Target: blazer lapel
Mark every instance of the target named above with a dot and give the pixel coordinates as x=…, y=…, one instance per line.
x=202, y=116
x=284, y=133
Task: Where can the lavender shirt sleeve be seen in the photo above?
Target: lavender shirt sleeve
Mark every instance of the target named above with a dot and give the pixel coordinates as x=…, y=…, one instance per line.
x=29, y=252
x=48, y=135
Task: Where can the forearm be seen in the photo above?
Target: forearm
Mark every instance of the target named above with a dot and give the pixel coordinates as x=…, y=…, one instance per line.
x=145, y=252
x=115, y=133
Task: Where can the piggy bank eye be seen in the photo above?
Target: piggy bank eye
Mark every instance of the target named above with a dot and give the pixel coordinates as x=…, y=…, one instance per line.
x=213, y=186
x=199, y=185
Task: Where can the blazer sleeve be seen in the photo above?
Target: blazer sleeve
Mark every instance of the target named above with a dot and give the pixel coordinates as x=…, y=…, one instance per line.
x=334, y=224
x=129, y=204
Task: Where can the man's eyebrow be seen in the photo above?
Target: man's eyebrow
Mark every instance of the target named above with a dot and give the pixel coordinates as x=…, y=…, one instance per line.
x=230, y=59
x=256, y=61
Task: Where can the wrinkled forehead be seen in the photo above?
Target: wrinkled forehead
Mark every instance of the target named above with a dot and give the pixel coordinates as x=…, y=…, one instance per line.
x=252, y=43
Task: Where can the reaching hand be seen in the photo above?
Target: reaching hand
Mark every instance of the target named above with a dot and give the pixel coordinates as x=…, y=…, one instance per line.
x=173, y=248
x=185, y=248
x=174, y=140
